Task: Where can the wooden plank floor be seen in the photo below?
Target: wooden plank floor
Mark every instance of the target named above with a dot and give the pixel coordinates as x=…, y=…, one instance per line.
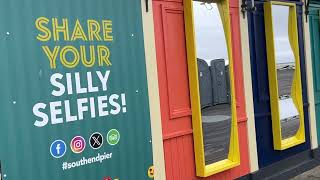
x=216, y=127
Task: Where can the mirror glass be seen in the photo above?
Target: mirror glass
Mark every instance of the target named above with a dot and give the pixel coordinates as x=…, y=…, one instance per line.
x=285, y=64
x=214, y=81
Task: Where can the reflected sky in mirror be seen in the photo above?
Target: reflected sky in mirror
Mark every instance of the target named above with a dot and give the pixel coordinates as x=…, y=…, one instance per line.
x=284, y=53
x=210, y=38
x=205, y=38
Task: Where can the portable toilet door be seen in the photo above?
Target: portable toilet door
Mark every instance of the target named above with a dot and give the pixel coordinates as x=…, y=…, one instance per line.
x=205, y=83
x=219, y=81
x=314, y=27
x=277, y=154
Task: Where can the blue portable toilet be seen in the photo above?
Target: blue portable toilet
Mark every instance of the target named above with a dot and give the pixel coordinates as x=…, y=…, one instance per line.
x=205, y=83
x=219, y=81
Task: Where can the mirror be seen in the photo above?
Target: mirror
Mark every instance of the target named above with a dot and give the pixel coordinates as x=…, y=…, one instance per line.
x=285, y=64
x=214, y=81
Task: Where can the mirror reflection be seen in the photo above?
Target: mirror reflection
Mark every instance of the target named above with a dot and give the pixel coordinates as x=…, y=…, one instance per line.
x=214, y=85
x=285, y=64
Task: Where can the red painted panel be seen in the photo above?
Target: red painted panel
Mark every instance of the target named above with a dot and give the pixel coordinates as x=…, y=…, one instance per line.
x=174, y=92
x=172, y=70
x=234, y=3
x=176, y=68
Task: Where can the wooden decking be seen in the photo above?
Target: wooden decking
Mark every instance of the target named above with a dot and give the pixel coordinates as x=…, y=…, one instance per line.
x=216, y=122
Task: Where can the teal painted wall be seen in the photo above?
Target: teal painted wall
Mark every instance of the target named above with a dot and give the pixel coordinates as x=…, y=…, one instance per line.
x=314, y=23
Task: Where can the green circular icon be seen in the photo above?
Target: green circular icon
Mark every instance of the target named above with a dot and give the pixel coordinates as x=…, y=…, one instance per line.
x=113, y=137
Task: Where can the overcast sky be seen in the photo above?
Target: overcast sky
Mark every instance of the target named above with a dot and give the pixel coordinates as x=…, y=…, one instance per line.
x=284, y=53
x=210, y=37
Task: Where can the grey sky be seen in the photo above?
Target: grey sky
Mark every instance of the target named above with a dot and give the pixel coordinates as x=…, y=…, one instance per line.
x=284, y=53
x=210, y=39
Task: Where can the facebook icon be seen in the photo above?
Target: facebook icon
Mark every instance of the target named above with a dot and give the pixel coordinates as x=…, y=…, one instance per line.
x=58, y=148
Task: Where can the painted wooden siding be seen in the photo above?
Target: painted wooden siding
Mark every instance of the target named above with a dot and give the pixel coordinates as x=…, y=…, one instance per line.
x=266, y=153
x=314, y=23
x=175, y=97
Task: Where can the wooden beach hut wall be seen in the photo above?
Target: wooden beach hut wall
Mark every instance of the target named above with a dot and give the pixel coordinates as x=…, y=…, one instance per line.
x=180, y=101
x=314, y=40
x=278, y=156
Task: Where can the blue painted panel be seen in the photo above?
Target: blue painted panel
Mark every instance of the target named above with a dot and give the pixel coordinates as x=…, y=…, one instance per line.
x=266, y=153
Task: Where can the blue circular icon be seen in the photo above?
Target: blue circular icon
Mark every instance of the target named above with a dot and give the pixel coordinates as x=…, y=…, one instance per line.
x=58, y=148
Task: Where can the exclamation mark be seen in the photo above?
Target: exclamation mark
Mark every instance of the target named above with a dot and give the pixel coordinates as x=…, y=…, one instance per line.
x=123, y=100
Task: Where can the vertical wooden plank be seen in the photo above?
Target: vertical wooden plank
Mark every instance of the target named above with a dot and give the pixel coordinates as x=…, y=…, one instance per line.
x=168, y=159
x=154, y=100
x=312, y=65
x=252, y=156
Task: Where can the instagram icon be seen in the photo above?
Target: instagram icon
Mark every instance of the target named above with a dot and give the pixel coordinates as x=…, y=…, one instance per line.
x=78, y=144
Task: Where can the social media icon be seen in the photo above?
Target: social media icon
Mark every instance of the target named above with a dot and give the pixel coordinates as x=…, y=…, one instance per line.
x=113, y=137
x=96, y=140
x=58, y=148
x=78, y=144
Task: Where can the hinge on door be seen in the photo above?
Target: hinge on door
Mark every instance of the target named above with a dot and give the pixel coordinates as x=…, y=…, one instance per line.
x=147, y=10
x=307, y=3
x=246, y=8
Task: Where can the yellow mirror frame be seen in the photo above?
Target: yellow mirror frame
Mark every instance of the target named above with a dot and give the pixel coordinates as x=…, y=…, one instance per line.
x=233, y=160
x=278, y=142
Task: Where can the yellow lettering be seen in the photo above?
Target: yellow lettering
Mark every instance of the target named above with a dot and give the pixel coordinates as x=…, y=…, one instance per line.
x=78, y=32
x=52, y=55
x=85, y=61
x=63, y=56
x=103, y=55
x=41, y=27
x=94, y=30
x=107, y=30
x=60, y=29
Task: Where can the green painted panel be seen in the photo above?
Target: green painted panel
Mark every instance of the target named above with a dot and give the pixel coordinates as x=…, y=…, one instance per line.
x=314, y=2
x=314, y=24
x=51, y=89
